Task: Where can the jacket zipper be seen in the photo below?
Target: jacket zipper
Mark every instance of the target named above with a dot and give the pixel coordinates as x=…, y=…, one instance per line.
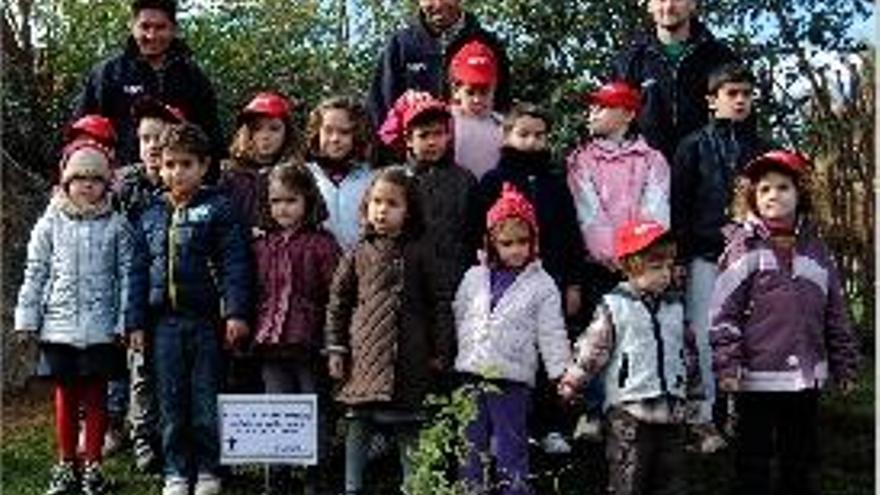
x=172, y=243
x=658, y=337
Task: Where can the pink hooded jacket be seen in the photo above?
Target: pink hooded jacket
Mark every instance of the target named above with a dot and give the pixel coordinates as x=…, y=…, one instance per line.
x=612, y=183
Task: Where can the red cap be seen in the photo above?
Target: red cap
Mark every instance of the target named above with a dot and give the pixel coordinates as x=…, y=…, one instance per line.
x=512, y=204
x=474, y=63
x=268, y=104
x=149, y=106
x=635, y=235
x=616, y=95
x=97, y=127
x=786, y=161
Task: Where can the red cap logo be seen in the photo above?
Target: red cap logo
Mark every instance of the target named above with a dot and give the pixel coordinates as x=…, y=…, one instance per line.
x=635, y=235
x=270, y=105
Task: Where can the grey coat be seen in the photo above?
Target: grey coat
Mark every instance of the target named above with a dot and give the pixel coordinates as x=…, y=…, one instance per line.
x=76, y=275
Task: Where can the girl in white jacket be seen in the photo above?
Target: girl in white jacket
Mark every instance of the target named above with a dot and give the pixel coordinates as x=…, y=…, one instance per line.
x=507, y=310
x=73, y=300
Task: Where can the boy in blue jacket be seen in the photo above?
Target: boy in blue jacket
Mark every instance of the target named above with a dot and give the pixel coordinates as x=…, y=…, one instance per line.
x=194, y=276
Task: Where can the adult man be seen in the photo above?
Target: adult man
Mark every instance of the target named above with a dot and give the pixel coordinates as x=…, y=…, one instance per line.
x=417, y=56
x=155, y=63
x=672, y=66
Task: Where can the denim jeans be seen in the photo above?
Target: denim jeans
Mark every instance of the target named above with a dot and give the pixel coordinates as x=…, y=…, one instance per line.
x=142, y=413
x=117, y=399
x=700, y=284
x=188, y=373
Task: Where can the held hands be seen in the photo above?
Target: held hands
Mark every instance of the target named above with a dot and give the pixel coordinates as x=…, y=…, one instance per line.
x=336, y=366
x=567, y=387
x=729, y=384
x=236, y=330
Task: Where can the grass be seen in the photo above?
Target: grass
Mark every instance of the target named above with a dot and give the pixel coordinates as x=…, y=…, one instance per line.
x=847, y=440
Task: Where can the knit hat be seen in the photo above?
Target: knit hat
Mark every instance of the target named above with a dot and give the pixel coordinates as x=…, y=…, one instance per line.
x=616, y=94
x=150, y=107
x=85, y=160
x=97, y=127
x=790, y=162
x=408, y=107
x=511, y=204
x=474, y=63
x=635, y=235
x=267, y=104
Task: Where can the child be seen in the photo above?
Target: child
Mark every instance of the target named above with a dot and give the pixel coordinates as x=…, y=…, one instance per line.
x=448, y=192
x=389, y=323
x=137, y=183
x=702, y=186
x=197, y=275
x=265, y=136
x=339, y=137
x=135, y=187
x=506, y=309
x=295, y=264
x=526, y=163
x=637, y=344
x=473, y=74
x=778, y=327
x=76, y=306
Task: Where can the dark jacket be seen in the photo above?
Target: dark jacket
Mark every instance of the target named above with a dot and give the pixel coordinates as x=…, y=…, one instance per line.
x=133, y=191
x=114, y=84
x=391, y=317
x=194, y=261
x=702, y=183
x=673, y=97
x=560, y=244
x=248, y=188
x=449, y=204
x=780, y=328
x=414, y=58
x=294, y=274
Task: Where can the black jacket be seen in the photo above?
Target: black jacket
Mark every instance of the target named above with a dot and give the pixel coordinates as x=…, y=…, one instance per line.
x=414, y=58
x=702, y=182
x=560, y=244
x=673, y=97
x=114, y=84
x=208, y=249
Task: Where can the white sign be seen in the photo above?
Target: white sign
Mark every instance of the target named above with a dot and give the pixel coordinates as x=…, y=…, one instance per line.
x=268, y=429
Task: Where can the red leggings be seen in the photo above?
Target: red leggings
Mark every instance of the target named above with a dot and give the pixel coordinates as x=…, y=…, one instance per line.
x=92, y=392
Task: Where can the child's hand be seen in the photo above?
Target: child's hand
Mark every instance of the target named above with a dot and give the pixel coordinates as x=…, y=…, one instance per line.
x=136, y=340
x=235, y=331
x=567, y=387
x=336, y=366
x=257, y=232
x=572, y=300
x=729, y=384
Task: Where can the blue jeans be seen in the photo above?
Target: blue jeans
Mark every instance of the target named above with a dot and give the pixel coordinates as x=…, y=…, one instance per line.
x=188, y=373
x=698, y=296
x=404, y=428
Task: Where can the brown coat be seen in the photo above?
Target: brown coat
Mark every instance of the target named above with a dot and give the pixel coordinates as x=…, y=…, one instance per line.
x=391, y=314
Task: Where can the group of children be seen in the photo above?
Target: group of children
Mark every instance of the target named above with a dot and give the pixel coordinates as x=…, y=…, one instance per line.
x=471, y=256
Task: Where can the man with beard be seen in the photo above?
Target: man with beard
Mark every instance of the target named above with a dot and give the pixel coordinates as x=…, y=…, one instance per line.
x=417, y=57
x=672, y=67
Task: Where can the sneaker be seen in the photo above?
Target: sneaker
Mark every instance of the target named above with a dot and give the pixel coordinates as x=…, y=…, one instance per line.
x=62, y=479
x=588, y=428
x=114, y=440
x=93, y=481
x=175, y=486
x=707, y=439
x=207, y=484
x=145, y=459
x=555, y=443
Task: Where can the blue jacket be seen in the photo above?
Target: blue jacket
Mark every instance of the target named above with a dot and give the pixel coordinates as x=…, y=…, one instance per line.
x=76, y=275
x=195, y=260
x=116, y=83
x=414, y=58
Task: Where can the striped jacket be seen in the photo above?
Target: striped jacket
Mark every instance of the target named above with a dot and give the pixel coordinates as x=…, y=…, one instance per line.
x=779, y=328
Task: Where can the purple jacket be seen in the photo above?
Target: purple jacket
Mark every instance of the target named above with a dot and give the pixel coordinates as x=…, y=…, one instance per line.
x=779, y=329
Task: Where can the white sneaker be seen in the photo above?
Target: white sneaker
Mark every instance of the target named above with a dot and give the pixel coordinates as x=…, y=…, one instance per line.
x=207, y=484
x=588, y=428
x=175, y=486
x=554, y=443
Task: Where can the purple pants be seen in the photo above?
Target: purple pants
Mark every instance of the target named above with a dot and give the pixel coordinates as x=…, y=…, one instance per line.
x=502, y=413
